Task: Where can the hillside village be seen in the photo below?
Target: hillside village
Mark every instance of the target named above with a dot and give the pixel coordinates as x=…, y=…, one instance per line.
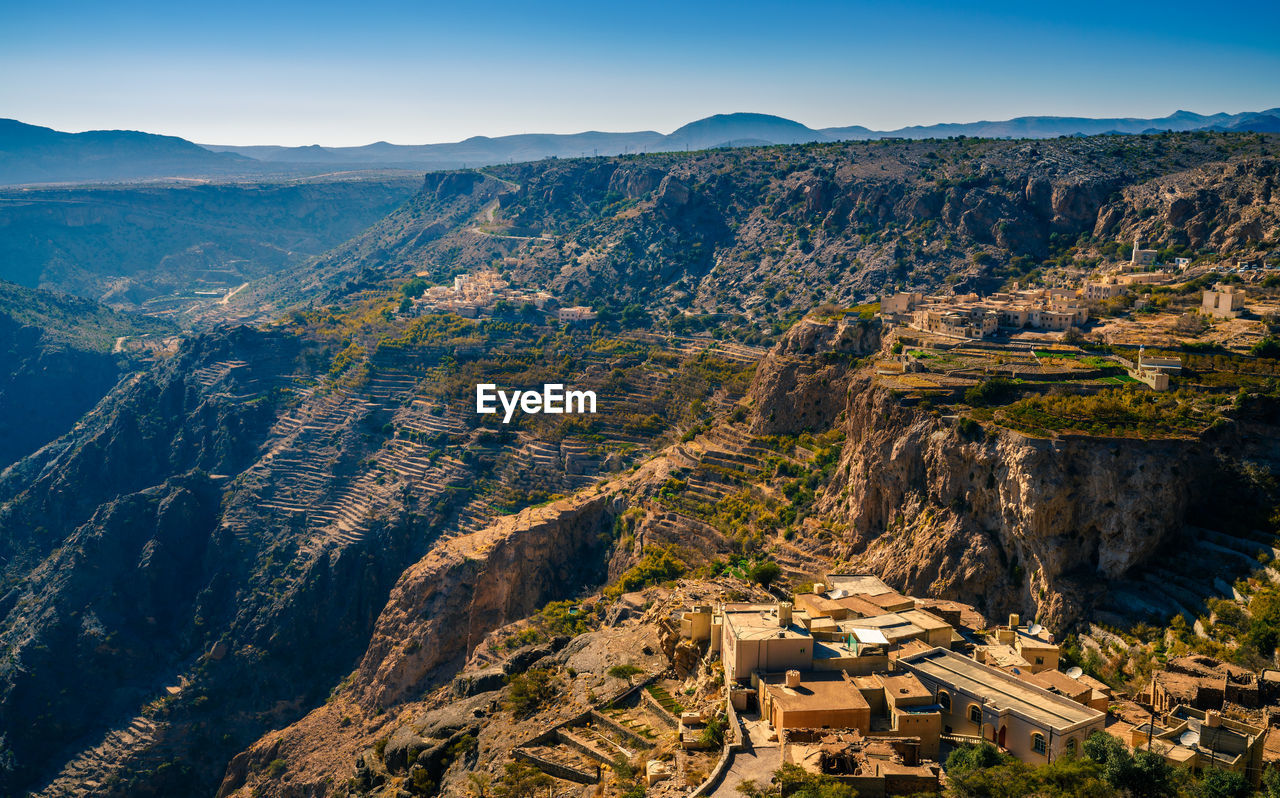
x=1128, y=322
x=852, y=680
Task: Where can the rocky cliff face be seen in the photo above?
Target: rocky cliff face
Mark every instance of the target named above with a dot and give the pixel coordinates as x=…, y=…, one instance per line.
x=1008, y=522
x=438, y=613
x=802, y=383
x=762, y=232
x=446, y=603
x=1222, y=206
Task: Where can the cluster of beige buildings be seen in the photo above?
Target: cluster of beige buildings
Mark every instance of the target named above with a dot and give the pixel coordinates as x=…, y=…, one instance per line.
x=856, y=680
x=971, y=316
x=472, y=293
x=855, y=666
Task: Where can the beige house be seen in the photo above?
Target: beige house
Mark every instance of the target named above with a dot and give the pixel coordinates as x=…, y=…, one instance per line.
x=897, y=628
x=901, y=303
x=1141, y=257
x=1223, y=302
x=1030, y=648
x=826, y=700
x=1096, y=292
x=1033, y=724
x=879, y=704
x=765, y=638
x=575, y=314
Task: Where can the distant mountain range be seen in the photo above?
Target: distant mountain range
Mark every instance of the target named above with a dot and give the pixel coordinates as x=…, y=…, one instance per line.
x=31, y=154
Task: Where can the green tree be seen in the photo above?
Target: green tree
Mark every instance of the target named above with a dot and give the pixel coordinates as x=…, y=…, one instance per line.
x=1218, y=783
x=766, y=573
x=1271, y=782
x=994, y=391
x=1141, y=775
x=968, y=758
x=1268, y=347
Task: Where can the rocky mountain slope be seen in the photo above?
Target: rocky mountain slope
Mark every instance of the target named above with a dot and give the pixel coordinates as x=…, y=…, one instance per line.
x=1007, y=522
x=258, y=506
x=58, y=356
x=275, y=546
x=156, y=246
x=763, y=233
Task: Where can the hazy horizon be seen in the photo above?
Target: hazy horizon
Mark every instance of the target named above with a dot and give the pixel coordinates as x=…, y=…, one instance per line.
x=294, y=74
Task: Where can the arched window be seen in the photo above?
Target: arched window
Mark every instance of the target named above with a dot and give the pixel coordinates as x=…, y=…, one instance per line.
x=944, y=700
x=1071, y=746
x=1038, y=745
x=975, y=714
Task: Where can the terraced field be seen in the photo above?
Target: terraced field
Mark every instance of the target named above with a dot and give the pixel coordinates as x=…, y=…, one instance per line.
x=402, y=438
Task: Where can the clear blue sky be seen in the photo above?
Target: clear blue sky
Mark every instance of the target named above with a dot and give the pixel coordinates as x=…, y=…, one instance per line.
x=288, y=72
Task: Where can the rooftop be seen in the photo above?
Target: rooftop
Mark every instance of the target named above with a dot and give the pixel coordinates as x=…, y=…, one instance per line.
x=1001, y=690
x=905, y=685
x=817, y=690
x=867, y=584
x=759, y=621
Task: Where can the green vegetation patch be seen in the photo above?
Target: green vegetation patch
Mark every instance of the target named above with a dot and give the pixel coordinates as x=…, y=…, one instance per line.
x=1112, y=413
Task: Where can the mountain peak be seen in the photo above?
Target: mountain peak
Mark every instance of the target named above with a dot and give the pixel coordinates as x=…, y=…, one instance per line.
x=741, y=126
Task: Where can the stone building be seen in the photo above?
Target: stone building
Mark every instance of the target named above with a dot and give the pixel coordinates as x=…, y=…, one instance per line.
x=977, y=700
x=1223, y=302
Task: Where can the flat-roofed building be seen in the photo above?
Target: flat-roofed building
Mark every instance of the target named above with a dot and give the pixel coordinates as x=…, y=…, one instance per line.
x=858, y=583
x=817, y=605
x=859, y=606
x=874, y=766
x=901, y=303
x=899, y=627
x=765, y=638
x=1223, y=302
x=892, y=601
x=1030, y=647
x=855, y=659
x=1200, y=739
x=1096, y=292
x=1082, y=689
x=1169, y=365
x=813, y=700
x=909, y=709
x=1030, y=722
x=577, y=313
x=1142, y=257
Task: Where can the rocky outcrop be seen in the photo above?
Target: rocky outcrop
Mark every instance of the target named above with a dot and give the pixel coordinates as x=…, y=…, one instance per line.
x=1009, y=522
x=447, y=602
x=801, y=383
x=438, y=612
x=1223, y=206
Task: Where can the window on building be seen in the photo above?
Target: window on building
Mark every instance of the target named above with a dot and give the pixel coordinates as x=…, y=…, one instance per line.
x=1038, y=744
x=1071, y=747
x=975, y=714
x=944, y=700
x=1039, y=660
